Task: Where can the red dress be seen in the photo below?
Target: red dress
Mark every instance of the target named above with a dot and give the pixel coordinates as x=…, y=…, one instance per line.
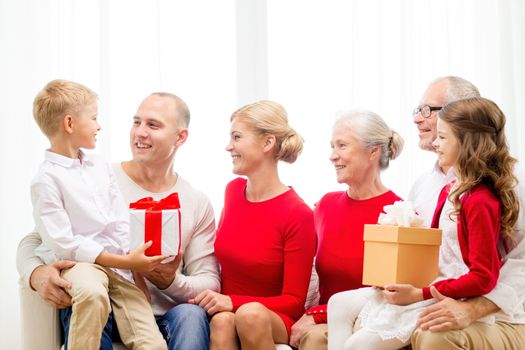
x=339, y=222
x=265, y=250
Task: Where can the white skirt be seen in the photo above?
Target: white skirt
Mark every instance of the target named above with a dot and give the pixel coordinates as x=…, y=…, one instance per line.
x=391, y=321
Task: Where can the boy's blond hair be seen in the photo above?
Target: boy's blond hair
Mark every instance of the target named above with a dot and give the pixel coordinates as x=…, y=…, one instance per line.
x=58, y=99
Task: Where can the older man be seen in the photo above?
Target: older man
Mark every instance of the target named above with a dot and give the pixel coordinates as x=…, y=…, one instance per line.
x=451, y=324
x=160, y=127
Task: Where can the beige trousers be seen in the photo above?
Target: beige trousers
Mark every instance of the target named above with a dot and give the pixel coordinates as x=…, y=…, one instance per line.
x=96, y=291
x=478, y=336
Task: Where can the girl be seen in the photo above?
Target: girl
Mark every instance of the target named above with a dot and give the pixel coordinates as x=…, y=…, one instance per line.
x=476, y=212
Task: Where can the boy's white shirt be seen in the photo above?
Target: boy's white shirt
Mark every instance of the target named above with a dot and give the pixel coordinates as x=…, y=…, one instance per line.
x=78, y=209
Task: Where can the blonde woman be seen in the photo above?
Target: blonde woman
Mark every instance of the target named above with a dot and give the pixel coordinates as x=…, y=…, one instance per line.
x=265, y=239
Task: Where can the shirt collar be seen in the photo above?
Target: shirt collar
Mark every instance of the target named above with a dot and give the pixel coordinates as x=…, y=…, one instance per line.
x=67, y=162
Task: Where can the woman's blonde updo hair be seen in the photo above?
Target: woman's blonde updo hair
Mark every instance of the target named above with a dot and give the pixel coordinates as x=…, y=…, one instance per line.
x=270, y=118
x=372, y=131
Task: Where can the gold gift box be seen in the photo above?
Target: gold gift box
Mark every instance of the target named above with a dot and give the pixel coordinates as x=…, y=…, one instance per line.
x=395, y=254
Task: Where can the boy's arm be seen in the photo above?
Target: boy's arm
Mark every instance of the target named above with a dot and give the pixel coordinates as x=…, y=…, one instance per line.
x=121, y=213
x=135, y=260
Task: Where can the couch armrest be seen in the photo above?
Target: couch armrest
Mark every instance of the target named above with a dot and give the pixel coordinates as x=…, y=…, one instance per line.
x=40, y=321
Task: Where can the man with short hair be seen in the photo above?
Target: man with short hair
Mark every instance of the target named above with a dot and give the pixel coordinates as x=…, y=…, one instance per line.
x=160, y=127
x=450, y=323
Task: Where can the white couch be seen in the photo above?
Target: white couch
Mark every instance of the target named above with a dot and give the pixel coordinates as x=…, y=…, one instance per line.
x=43, y=324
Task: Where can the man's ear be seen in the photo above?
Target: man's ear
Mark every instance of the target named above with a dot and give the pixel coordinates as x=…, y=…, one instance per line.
x=269, y=142
x=182, y=136
x=67, y=123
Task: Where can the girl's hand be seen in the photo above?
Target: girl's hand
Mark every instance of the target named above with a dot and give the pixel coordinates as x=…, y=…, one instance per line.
x=212, y=302
x=138, y=261
x=402, y=294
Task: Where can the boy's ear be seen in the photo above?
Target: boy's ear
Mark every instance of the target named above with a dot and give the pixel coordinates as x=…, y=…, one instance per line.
x=67, y=123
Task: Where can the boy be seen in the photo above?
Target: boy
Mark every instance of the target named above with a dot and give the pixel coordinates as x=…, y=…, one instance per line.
x=81, y=216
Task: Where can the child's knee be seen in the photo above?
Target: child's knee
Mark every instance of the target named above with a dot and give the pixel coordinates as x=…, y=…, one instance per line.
x=92, y=295
x=88, y=284
x=342, y=305
x=337, y=300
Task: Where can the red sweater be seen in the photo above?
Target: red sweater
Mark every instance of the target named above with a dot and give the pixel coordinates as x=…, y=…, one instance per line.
x=266, y=251
x=339, y=222
x=478, y=235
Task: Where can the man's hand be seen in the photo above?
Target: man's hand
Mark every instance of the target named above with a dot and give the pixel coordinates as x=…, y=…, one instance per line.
x=48, y=283
x=303, y=325
x=212, y=302
x=447, y=314
x=163, y=275
x=402, y=294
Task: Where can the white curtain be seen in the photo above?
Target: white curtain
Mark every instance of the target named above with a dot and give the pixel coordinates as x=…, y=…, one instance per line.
x=314, y=56
x=380, y=55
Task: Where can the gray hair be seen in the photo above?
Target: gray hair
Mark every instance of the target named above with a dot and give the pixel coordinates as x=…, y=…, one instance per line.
x=372, y=131
x=458, y=88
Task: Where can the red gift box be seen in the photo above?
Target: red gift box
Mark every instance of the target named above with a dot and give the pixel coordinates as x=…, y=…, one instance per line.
x=156, y=221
